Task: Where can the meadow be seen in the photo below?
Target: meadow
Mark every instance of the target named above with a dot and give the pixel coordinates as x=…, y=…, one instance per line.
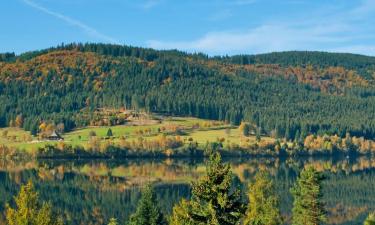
x=185, y=128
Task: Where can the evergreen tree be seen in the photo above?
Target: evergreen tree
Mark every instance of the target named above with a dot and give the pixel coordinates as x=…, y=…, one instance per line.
x=214, y=200
x=183, y=213
x=109, y=133
x=263, y=206
x=308, y=208
x=370, y=219
x=147, y=213
x=29, y=211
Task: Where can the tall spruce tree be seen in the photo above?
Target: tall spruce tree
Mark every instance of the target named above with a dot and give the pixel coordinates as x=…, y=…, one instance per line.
x=109, y=132
x=215, y=200
x=263, y=206
x=308, y=208
x=148, y=212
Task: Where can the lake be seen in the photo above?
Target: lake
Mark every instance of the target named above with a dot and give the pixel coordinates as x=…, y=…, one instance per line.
x=91, y=192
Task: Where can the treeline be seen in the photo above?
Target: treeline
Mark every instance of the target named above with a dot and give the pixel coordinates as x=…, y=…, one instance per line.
x=164, y=146
x=365, y=65
x=56, y=84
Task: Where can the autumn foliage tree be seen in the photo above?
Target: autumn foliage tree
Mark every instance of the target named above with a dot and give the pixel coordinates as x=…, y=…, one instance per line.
x=29, y=210
x=370, y=220
x=263, y=208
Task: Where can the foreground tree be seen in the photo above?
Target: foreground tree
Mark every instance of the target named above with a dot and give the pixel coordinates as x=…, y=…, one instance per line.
x=214, y=200
x=308, y=208
x=148, y=213
x=29, y=210
x=370, y=219
x=263, y=206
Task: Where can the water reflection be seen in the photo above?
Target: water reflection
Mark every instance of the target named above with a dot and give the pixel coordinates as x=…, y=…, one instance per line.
x=87, y=191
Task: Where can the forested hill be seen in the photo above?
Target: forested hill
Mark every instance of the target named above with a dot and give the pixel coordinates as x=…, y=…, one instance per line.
x=289, y=94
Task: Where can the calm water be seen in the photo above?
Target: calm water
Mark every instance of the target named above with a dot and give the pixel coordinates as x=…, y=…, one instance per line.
x=90, y=192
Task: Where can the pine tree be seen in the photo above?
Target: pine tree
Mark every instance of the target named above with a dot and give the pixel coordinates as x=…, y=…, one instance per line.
x=214, y=200
x=147, y=213
x=263, y=206
x=29, y=211
x=308, y=208
x=109, y=133
x=370, y=219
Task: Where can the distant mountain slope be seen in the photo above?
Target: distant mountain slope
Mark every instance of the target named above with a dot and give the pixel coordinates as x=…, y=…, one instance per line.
x=288, y=94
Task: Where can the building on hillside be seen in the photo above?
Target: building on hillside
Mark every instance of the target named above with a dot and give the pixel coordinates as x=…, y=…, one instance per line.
x=54, y=136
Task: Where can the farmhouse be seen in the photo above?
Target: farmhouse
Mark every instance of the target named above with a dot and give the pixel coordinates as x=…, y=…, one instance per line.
x=54, y=136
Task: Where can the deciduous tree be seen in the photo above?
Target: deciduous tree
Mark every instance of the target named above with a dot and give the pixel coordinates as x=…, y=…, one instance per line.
x=29, y=210
x=263, y=208
x=370, y=219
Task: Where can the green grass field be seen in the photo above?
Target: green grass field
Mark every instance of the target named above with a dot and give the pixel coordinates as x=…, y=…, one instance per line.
x=201, y=131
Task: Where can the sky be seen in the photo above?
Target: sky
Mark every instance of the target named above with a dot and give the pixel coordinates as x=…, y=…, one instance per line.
x=214, y=27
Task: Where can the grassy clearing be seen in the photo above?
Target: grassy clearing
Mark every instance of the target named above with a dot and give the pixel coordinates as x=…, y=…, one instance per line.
x=200, y=130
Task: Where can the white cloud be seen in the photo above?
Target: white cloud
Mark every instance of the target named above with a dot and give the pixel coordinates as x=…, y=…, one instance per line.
x=265, y=38
x=325, y=29
x=87, y=29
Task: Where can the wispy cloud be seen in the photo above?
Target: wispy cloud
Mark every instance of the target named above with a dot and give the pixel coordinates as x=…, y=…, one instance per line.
x=326, y=29
x=87, y=29
x=265, y=38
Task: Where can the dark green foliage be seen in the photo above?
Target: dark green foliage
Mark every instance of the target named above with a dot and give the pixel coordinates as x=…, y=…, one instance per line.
x=109, y=133
x=215, y=200
x=303, y=58
x=176, y=83
x=7, y=57
x=308, y=208
x=148, y=212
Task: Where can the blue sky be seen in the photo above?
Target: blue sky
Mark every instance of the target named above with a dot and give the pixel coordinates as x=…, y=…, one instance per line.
x=215, y=27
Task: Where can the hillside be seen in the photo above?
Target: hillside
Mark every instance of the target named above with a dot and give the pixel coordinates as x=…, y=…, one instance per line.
x=290, y=94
